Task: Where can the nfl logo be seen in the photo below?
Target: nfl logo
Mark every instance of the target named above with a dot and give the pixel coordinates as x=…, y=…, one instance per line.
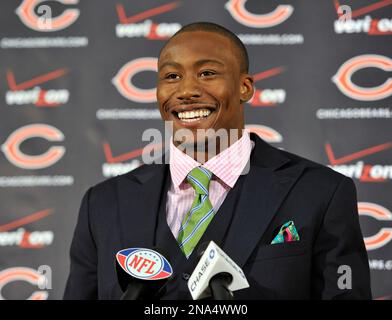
x=145, y=264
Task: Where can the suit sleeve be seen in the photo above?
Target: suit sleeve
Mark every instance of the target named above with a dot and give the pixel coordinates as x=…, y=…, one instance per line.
x=82, y=280
x=340, y=267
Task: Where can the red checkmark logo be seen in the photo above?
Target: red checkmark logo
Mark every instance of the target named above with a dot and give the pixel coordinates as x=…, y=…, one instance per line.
x=267, y=73
x=364, y=10
x=333, y=160
x=26, y=220
x=254, y=102
x=145, y=14
x=127, y=155
x=35, y=81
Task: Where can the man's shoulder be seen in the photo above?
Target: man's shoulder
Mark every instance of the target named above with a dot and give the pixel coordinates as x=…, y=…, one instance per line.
x=313, y=169
x=269, y=156
x=136, y=176
x=316, y=179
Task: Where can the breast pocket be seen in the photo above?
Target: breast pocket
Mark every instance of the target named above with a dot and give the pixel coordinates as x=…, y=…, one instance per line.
x=280, y=250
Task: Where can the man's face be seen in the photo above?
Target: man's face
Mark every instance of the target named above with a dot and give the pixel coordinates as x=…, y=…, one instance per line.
x=200, y=85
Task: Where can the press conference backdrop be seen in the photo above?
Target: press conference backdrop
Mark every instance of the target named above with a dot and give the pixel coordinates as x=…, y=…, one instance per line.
x=77, y=90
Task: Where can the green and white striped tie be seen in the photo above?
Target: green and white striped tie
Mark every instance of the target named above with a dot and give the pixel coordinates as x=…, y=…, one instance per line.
x=201, y=213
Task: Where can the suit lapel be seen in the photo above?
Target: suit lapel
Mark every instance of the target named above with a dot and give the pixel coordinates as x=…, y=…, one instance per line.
x=139, y=197
x=264, y=189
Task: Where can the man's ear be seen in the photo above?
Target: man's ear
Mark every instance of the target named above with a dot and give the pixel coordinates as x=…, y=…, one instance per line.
x=246, y=87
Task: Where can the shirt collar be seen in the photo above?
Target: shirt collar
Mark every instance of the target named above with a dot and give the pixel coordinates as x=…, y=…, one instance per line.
x=227, y=165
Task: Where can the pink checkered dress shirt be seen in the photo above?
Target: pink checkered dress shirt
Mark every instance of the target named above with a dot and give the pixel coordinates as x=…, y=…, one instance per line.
x=226, y=167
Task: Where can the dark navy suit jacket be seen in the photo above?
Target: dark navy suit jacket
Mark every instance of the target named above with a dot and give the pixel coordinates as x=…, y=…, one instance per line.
x=129, y=211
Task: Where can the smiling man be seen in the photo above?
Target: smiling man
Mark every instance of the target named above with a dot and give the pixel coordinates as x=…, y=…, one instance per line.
x=289, y=223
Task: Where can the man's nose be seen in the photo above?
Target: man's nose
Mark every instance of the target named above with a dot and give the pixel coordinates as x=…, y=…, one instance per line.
x=188, y=88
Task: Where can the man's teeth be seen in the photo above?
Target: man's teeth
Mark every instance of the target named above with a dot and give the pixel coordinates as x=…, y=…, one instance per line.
x=193, y=115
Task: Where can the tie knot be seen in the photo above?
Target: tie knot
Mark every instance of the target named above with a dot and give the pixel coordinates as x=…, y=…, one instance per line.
x=199, y=178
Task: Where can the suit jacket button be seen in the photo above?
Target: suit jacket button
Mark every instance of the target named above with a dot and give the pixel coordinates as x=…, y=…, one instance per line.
x=186, y=276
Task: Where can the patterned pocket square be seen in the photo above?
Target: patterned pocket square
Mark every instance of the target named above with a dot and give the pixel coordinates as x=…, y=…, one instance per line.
x=287, y=233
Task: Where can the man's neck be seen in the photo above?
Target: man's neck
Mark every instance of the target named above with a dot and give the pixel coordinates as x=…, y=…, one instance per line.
x=209, y=150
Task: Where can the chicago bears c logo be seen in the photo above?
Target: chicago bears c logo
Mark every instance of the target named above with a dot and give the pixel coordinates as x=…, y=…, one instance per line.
x=123, y=80
x=11, y=146
x=238, y=12
x=379, y=213
x=23, y=274
x=343, y=78
x=266, y=133
x=26, y=13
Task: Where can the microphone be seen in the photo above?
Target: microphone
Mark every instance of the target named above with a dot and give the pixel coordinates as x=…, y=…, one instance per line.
x=216, y=275
x=141, y=273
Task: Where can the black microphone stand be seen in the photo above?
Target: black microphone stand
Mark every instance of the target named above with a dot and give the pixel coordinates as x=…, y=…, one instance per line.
x=133, y=291
x=219, y=286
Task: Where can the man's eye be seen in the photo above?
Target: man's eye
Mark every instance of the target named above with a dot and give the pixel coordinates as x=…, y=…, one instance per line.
x=207, y=73
x=172, y=76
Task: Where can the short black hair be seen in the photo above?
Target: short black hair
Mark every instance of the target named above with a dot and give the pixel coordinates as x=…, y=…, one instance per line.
x=213, y=27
